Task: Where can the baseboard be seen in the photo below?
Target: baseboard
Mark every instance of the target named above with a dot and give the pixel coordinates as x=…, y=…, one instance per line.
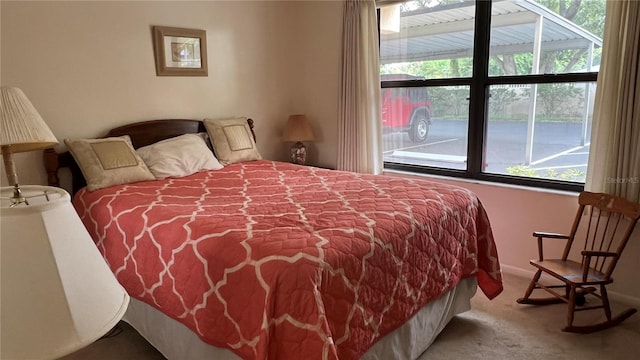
x=512, y=270
x=613, y=295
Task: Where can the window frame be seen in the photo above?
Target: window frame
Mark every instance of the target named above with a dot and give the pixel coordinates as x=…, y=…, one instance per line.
x=479, y=84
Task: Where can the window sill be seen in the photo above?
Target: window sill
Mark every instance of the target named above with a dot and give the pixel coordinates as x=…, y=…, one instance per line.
x=394, y=172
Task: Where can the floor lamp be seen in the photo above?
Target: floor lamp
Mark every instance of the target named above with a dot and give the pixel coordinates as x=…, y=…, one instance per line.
x=58, y=294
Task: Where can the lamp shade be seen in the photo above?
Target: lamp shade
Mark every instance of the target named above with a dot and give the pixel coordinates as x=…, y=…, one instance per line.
x=22, y=127
x=58, y=294
x=297, y=129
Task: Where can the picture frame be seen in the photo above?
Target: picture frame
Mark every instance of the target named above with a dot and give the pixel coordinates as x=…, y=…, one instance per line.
x=180, y=51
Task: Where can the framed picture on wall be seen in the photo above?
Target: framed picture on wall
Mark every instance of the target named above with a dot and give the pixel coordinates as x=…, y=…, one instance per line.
x=179, y=51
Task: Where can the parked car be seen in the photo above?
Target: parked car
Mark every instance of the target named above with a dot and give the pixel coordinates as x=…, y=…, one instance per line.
x=406, y=109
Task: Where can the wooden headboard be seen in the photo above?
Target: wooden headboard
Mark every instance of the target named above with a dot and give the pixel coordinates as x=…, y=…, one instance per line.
x=141, y=133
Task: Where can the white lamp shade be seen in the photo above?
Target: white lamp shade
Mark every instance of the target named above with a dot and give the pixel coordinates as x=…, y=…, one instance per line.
x=22, y=126
x=58, y=294
x=298, y=129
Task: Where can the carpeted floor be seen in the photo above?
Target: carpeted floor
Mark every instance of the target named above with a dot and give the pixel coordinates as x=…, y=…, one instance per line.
x=497, y=329
x=504, y=329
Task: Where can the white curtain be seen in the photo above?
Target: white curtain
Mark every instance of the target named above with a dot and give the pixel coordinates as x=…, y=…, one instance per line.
x=614, y=159
x=359, y=124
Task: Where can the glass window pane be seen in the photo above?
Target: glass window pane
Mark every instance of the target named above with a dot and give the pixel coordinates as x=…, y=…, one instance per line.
x=546, y=136
x=569, y=37
x=426, y=126
x=430, y=39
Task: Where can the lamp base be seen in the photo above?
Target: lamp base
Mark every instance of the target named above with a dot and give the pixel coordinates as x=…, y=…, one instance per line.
x=298, y=153
x=17, y=196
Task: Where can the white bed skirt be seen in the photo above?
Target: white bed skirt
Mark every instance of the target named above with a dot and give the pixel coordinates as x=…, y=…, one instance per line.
x=176, y=342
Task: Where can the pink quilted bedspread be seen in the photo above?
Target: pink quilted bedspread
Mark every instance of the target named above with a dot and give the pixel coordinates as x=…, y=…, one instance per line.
x=280, y=261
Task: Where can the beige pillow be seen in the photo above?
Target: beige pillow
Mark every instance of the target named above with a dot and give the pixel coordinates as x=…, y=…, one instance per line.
x=232, y=140
x=178, y=156
x=109, y=161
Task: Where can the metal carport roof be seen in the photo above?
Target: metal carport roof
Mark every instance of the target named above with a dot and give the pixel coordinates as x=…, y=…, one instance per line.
x=446, y=32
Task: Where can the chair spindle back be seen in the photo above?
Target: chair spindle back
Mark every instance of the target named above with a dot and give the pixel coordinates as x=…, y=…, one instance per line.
x=610, y=221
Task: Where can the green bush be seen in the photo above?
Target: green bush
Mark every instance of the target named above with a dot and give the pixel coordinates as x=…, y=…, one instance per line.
x=574, y=175
x=559, y=99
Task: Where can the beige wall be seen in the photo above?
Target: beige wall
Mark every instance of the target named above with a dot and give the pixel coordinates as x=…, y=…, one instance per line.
x=89, y=66
x=315, y=31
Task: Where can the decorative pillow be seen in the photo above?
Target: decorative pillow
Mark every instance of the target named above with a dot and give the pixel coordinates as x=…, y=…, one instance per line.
x=232, y=140
x=179, y=156
x=109, y=161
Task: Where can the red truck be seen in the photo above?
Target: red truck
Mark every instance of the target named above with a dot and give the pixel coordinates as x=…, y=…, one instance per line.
x=406, y=109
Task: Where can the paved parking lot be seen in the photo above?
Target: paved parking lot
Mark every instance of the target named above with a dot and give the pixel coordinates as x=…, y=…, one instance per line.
x=557, y=146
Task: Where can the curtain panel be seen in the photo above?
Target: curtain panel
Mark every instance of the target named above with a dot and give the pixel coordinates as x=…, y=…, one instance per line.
x=614, y=159
x=359, y=123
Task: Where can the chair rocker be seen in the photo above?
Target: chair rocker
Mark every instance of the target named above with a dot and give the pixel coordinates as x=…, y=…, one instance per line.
x=608, y=222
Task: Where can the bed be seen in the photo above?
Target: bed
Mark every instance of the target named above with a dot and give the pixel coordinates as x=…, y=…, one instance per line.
x=262, y=259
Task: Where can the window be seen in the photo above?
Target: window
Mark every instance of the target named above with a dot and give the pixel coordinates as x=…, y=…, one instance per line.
x=506, y=100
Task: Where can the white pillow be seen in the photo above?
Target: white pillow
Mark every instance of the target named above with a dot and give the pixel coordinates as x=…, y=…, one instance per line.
x=179, y=156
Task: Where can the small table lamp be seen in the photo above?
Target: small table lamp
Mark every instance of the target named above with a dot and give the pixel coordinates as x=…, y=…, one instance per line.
x=58, y=294
x=22, y=130
x=298, y=130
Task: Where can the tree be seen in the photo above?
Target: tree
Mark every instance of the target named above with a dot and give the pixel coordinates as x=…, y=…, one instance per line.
x=412, y=5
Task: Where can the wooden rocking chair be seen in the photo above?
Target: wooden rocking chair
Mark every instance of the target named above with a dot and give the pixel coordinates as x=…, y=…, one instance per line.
x=610, y=221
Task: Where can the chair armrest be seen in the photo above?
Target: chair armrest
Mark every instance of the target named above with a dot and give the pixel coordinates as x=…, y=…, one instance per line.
x=586, y=263
x=549, y=235
x=598, y=253
x=540, y=235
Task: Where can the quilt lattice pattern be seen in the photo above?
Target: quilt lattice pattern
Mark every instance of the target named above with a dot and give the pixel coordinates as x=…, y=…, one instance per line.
x=280, y=261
